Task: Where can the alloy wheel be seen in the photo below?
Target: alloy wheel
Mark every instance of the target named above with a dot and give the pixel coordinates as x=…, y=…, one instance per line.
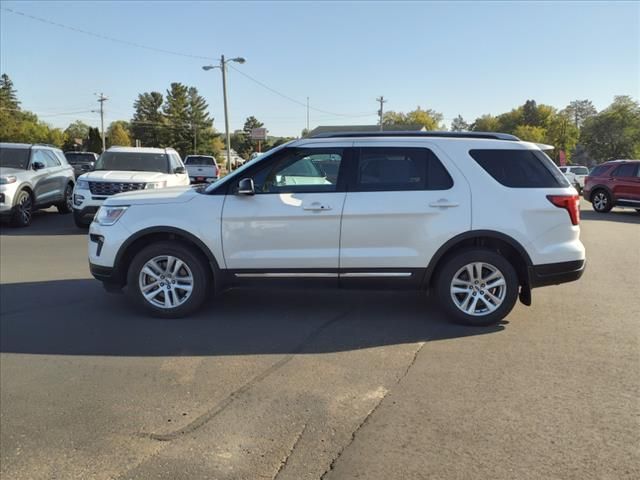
x=600, y=201
x=25, y=206
x=166, y=281
x=478, y=288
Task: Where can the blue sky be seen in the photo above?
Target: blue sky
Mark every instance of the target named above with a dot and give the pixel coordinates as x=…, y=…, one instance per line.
x=455, y=57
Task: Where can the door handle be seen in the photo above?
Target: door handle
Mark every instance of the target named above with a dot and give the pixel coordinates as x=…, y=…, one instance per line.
x=316, y=207
x=444, y=203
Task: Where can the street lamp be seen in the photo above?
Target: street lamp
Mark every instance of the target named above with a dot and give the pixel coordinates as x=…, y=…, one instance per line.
x=223, y=69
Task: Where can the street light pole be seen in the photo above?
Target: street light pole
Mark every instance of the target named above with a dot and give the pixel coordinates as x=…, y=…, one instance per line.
x=102, y=99
x=223, y=67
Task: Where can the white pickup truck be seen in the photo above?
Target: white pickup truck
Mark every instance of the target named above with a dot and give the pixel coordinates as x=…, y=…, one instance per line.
x=202, y=168
x=576, y=175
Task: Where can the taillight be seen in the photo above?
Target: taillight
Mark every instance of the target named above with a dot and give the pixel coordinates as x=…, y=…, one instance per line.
x=571, y=203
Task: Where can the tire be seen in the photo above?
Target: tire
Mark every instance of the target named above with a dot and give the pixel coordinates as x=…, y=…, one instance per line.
x=66, y=205
x=23, y=209
x=149, y=267
x=80, y=221
x=601, y=201
x=458, y=305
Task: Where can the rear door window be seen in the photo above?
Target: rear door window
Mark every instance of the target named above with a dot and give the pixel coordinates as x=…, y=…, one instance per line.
x=626, y=170
x=383, y=169
x=599, y=170
x=520, y=168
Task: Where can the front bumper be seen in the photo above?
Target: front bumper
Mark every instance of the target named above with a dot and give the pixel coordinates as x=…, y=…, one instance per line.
x=86, y=213
x=555, y=273
x=7, y=195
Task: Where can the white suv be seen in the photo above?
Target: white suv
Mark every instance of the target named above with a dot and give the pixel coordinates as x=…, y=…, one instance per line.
x=479, y=218
x=125, y=169
x=576, y=174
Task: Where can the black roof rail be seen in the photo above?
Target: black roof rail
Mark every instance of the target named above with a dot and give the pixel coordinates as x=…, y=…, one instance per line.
x=413, y=133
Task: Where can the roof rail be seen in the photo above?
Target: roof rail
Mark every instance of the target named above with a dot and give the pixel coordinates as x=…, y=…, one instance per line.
x=395, y=133
x=45, y=145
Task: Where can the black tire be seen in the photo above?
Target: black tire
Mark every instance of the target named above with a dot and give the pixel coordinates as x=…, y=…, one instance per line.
x=195, y=262
x=66, y=205
x=80, y=221
x=601, y=201
x=23, y=209
x=457, y=262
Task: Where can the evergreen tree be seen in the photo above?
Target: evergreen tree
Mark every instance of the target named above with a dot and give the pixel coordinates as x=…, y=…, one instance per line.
x=202, y=132
x=178, y=130
x=8, y=94
x=459, y=125
x=148, y=121
x=94, y=143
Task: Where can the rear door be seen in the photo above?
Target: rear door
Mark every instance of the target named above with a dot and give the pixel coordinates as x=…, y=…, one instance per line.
x=404, y=201
x=625, y=182
x=291, y=226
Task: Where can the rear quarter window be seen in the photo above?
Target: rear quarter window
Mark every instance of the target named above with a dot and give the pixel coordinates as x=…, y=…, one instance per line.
x=520, y=168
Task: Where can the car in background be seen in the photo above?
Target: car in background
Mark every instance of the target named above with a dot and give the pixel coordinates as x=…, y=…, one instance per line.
x=202, y=168
x=82, y=162
x=33, y=176
x=576, y=174
x=614, y=184
x=125, y=169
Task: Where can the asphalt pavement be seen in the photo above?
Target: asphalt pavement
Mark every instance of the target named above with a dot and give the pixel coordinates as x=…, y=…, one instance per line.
x=316, y=384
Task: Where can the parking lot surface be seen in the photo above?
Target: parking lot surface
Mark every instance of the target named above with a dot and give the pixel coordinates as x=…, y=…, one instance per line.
x=316, y=384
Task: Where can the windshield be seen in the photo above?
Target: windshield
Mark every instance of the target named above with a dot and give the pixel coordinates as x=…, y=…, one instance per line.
x=133, y=161
x=207, y=161
x=14, y=157
x=74, y=158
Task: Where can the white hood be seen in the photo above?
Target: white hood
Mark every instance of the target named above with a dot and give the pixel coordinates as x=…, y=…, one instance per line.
x=123, y=176
x=154, y=196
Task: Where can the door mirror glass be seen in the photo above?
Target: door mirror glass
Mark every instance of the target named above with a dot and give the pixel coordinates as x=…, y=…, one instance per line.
x=245, y=187
x=179, y=170
x=38, y=165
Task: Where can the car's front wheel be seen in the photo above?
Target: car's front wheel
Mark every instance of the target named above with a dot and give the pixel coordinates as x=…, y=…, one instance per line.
x=477, y=287
x=66, y=205
x=23, y=210
x=168, y=280
x=601, y=201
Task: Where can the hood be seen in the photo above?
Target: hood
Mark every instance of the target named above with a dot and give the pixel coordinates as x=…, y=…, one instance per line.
x=4, y=171
x=123, y=176
x=154, y=196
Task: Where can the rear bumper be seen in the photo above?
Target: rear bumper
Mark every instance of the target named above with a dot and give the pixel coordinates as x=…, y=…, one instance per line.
x=555, y=273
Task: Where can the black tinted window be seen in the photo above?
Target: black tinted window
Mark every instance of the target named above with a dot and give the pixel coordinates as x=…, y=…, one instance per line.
x=599, y=170
x=74, y=158
x=520, y=168
x=133, y=161
x=205, y=161
x=626, y=170
x=397, y=168
x=14, y=157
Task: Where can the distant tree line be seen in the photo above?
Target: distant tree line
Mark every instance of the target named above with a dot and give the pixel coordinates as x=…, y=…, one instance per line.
x=180, y=119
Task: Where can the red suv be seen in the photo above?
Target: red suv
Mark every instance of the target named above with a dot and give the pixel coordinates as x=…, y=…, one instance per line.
x=614, y=184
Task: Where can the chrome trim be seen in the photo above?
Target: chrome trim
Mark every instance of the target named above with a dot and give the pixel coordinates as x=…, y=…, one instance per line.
x=376, y=274
x=628, y=200
x=287, y=275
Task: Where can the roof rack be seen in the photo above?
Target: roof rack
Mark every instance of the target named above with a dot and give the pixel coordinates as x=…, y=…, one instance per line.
x=394, y=133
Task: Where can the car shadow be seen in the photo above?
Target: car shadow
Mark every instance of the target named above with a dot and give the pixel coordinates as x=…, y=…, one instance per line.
x=44, y=222
x=616, y=215
x=77, y=317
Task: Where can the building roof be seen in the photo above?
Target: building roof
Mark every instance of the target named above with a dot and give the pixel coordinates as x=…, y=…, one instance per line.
x=363, y=128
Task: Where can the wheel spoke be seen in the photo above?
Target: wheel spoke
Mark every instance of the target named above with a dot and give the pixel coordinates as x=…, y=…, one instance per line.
x=455, y=289
x=186, y=288
x=153, y=294
x=177, y=266
x=168, y=302
x=472, y=308
x=496, y=283
x=148, y=271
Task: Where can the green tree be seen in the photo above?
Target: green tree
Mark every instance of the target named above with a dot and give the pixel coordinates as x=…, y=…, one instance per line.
x=459, y=125
x=429, y=119
x=486, y=123
x=118, y=134
x=579, y=111
x=202, y=132
x=8, y=94
x=147, y=124
x=530, y=133
x=94, y=142
x=562, y=134
x=613, y=133
x=77, y=130
x=178, y=129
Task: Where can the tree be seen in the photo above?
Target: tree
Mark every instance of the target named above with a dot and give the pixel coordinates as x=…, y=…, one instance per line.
x=202, y=132
x=148, y=121
x=178, y=129
x=459, y=125
x=8, y=94
x=615, y=132
x=117, y=134
x=486, y=123
x=530, y=133
x=77, y=130
x=530, y=113
x=429, y=119
x=562, y=134
x=580, y=110
x=94, y=144
x=304, y=133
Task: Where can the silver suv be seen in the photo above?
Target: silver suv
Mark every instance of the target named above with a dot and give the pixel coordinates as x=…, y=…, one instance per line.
x=33, y=176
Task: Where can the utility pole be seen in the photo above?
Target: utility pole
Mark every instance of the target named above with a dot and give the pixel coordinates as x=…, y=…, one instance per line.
x=102, y=99
x=307, y=115
x=223, y=67
x=381, y=111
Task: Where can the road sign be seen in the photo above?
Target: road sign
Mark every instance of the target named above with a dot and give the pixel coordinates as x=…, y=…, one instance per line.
x=258, y=134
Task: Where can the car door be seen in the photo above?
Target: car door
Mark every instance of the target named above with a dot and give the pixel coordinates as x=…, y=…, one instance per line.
x=404, y=201
x=625, y=182
x=291, y=225
x=44, y=180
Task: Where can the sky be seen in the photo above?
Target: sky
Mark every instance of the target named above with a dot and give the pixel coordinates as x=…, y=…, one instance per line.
x=458, y=58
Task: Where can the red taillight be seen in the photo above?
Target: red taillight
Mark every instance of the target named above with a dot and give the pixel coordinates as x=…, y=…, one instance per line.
x=571, y=203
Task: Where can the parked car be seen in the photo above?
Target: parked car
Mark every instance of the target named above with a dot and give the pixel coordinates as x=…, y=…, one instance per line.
x=82, y=162
x=202, y=168
x=124, y=169
x=33, y=176
x=614, y=184
x=576, y=174
x=480, y=218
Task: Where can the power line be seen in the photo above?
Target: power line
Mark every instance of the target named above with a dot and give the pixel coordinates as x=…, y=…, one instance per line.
x=104, y=37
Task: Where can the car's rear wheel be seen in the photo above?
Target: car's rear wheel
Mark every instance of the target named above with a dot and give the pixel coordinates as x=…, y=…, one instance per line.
x=601, y=201
x=168, y=280
x=477, y=287
x=66, y=205
x=23, y=210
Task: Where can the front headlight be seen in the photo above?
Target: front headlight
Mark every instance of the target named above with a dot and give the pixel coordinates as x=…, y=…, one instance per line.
x=7, y=179
x=151, y=185
x=107, y=216
x=82, y=184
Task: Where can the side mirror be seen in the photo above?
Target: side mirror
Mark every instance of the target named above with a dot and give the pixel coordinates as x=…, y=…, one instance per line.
x=38, y=165
x=245, y=187
x=179, y=170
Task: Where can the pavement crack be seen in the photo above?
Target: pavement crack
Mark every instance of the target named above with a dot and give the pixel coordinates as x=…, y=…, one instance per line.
x=370, y=414
x=223, y=404
x=283, y=462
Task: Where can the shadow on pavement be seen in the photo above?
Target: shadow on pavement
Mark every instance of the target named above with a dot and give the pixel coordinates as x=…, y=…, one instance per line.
x=76, y=317
x=615, y=215
x=44, y=222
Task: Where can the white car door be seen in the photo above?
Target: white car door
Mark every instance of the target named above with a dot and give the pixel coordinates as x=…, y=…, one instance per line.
x=292, y=222
x=404, y=202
